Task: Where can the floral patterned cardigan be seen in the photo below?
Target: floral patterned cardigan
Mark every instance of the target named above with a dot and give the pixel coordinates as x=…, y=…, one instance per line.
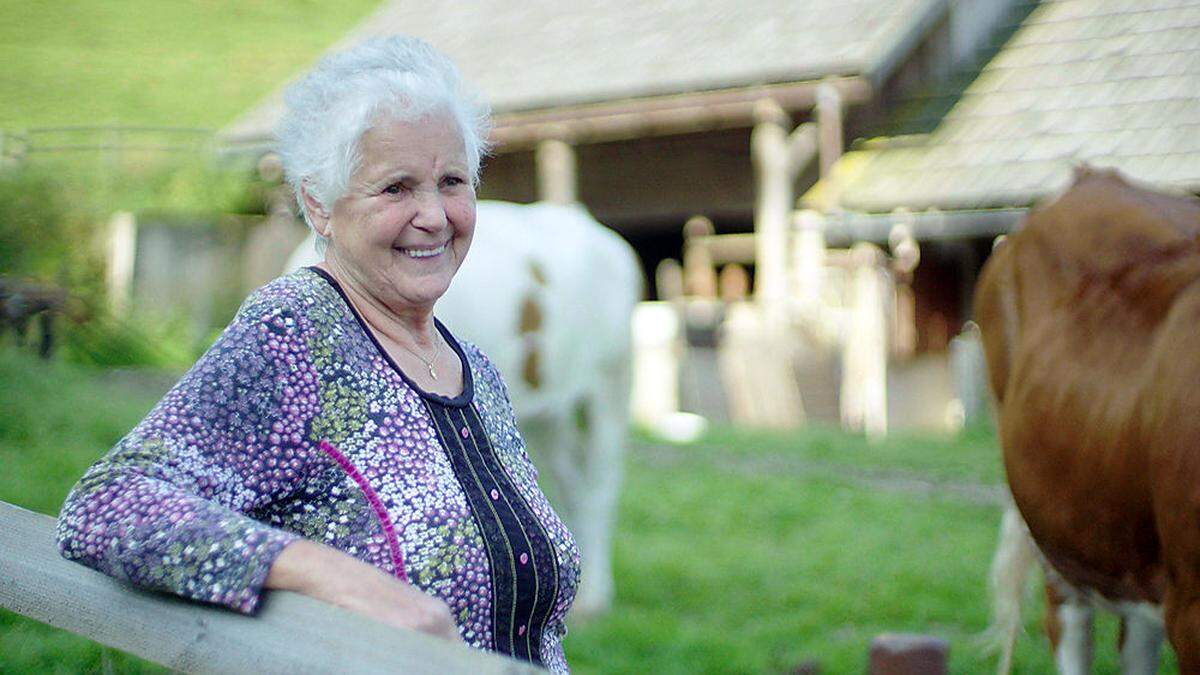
x=296, y=423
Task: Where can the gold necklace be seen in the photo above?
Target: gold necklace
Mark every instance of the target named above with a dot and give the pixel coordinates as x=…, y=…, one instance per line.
x=436, y=352
x=428, y=363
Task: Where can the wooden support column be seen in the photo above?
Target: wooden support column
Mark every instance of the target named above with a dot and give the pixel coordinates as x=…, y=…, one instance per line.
x=829, y=119
x=906, y=255
x=778, y=153
x=808, y=257
x=864, y=359
x=557, y=177
x=699, y=272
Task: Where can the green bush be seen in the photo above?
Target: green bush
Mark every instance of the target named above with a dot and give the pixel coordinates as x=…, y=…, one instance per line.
x=113, y=343
x=53, y=215
x=44, y=230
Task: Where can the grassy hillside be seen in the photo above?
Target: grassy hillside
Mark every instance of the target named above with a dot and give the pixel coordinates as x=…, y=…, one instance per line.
x=156, y=62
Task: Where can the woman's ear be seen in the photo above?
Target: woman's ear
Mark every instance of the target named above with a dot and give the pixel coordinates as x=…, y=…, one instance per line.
x=318, y=215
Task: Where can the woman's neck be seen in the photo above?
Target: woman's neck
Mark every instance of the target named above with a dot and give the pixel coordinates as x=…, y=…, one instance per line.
x=412, y=328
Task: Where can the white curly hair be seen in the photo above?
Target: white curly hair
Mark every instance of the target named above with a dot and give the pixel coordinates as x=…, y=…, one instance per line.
x=327, y=111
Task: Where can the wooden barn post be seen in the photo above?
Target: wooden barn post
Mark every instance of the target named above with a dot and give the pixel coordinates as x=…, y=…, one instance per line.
x=778, y=153
x=864, y=361
x=699, y=271
x=557, y=172
x=829, y=120
x=906, y=255
x=808, y=257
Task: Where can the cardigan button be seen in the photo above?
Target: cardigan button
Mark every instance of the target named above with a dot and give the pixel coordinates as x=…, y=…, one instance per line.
x=495, y=494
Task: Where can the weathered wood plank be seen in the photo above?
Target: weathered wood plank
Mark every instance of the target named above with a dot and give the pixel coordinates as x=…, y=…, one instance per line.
x=291, y=633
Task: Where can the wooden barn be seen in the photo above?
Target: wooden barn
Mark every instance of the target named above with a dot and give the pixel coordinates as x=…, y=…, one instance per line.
x=959, y=115
x=1108, y=83
x=1111, y=84
x=644, y=111
x=650, y=114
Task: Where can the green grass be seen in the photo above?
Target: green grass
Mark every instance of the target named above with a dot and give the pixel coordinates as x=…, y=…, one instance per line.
x=746, y=552
x=759, y=573
x=157, y=62
x=55, y=420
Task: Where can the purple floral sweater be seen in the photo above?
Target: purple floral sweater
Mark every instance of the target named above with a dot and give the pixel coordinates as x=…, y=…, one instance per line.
x=297, y=424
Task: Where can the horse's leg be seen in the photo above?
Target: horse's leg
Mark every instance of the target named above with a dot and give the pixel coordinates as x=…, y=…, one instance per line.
x=1068, y=623
x=1141, y=638
x=561, y=446
x=604, y=424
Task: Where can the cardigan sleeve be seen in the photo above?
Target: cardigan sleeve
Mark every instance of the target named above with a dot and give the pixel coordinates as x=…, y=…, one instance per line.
x=171, y=506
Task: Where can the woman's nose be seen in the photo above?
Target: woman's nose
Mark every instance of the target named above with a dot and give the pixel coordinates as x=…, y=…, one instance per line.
x=431, y=213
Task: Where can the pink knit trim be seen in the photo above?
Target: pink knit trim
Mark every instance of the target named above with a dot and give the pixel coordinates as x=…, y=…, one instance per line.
x=373, y=499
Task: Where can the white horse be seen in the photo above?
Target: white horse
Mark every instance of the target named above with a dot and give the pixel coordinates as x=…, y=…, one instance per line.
x=547, y=293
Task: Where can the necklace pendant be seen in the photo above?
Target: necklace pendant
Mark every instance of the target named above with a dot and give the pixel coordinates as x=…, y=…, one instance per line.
x=431, y=371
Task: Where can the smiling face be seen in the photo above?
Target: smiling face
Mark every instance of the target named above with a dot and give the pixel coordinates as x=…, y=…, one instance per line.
x=404, y=225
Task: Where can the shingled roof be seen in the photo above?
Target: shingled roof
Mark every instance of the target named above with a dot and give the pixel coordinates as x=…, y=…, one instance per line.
x=539, y=54
x=1110, y=82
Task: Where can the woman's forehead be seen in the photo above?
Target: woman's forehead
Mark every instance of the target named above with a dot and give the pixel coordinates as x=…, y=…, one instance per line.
x=429, y=139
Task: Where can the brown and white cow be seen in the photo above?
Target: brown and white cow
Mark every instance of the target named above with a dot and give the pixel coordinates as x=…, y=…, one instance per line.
x=548, y=294
x=1091, y=325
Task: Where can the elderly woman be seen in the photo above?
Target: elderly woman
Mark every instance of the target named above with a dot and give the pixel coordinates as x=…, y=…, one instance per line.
x=337, y=440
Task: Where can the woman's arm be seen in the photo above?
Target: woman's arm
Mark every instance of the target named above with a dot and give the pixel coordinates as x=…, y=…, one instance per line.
x=171, y=506
x=329, y=575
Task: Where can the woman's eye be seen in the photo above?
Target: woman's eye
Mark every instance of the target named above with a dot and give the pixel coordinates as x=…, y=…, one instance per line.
x=393, y=189
x=452, y=181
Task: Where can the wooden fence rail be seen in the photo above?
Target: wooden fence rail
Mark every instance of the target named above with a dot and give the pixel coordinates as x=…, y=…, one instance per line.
x=291, y=633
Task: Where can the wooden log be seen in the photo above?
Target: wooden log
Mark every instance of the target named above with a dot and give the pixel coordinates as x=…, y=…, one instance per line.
x=904, y=654
x=291, y=633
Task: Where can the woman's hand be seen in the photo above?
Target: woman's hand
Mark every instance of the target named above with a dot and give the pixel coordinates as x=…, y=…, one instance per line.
x=329, y=575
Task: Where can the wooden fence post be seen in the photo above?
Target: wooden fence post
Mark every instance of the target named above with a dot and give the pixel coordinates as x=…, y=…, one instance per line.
x=121, y=256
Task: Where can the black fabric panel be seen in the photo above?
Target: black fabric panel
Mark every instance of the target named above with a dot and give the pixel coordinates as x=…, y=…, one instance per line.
x=523, y=593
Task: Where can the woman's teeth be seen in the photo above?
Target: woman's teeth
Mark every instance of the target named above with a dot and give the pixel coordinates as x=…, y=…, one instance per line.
x=423, y=252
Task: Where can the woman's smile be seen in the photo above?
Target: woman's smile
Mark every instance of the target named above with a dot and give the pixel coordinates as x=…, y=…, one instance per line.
x=423, y=252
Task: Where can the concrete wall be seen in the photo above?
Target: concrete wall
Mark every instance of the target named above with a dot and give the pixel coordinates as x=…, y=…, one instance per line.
x=202, y=267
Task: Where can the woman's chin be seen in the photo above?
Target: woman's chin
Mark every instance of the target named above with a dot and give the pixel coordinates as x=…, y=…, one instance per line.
x=422, y=292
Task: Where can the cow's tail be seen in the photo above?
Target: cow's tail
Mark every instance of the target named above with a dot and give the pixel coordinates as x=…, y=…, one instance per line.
x=1015, y=557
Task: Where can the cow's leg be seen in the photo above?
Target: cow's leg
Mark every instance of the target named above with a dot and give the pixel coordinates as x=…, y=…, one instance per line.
x=1141, y=639
x=1183, y=627
x=1069, y=625
x=1013, y=560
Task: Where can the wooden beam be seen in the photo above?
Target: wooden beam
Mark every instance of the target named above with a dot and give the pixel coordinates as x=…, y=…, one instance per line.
x=291, y=633
x=663, y=115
